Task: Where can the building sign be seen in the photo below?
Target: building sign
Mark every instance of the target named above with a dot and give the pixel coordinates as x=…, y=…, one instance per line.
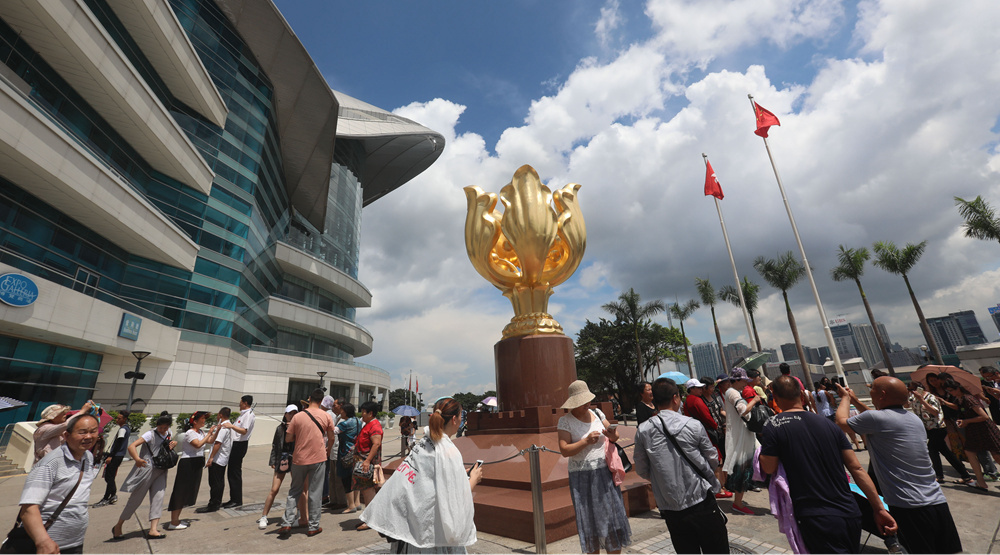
x=838, y=321
x=994, y=309
x=129, y=328
x=17, y=290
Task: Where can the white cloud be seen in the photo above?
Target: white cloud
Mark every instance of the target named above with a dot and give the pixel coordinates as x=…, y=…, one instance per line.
x=610, y=21
x=872, y=145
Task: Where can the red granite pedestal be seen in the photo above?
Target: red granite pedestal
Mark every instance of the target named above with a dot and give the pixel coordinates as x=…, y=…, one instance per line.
x=533, y=374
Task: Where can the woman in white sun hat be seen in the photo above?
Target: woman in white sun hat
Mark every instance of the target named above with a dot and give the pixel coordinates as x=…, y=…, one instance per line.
x=600, y=512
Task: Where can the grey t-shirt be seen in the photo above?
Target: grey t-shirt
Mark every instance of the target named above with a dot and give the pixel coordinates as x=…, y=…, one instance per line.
x=898, y=444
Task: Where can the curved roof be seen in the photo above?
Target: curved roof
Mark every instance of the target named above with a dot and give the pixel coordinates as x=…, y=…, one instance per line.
x=397, y=149
x=306, y=110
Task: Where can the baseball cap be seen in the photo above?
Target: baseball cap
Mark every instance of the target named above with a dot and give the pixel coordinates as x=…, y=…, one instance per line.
x=693, y=382
x=722, y=378
x=291, y=408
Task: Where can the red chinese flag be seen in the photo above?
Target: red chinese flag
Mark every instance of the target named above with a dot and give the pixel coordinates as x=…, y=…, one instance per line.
x=418, y=385
x=409, y=385
x=765, y=120
x=712, y=186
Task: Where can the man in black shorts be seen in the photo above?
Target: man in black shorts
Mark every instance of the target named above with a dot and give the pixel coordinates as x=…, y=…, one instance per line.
x=814, y=453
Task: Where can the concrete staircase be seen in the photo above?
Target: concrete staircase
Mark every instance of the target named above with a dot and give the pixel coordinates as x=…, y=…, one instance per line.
x=7, y=468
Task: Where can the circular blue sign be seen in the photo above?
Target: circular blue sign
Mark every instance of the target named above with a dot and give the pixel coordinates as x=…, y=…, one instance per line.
x=17, y=290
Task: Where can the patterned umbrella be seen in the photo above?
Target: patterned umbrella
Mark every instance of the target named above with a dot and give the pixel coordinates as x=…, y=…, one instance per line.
x=406, y=410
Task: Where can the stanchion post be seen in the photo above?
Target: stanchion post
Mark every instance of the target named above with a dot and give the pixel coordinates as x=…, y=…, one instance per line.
x=538, y=510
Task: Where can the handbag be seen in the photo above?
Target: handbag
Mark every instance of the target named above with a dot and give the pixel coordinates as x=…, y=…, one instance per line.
x=165, y=458
x=757, y=417
x=284, y=462
x=18, y=540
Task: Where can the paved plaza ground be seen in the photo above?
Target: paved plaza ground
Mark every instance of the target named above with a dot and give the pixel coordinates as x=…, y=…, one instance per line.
x=235, y=531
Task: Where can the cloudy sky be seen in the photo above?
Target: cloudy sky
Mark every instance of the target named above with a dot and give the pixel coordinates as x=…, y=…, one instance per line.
x=888, y=109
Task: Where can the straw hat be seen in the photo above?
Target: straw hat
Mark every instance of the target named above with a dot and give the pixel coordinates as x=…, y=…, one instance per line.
x=51, y=412
x=579, y=395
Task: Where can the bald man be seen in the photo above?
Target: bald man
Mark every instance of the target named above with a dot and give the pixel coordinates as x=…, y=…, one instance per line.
x=898, y=449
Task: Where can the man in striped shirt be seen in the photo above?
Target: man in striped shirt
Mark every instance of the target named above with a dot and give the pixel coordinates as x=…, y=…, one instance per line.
x=51, y=480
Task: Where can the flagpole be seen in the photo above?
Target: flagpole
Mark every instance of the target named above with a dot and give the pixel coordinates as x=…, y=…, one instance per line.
x=805, y=261
x=732, y=261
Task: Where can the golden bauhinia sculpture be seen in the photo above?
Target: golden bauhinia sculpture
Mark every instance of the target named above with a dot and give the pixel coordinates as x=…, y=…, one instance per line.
x=534, y=245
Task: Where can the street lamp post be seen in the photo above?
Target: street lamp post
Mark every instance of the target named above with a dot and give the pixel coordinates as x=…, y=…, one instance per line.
x=923, y=348
x=135, y=376
x=321, y=374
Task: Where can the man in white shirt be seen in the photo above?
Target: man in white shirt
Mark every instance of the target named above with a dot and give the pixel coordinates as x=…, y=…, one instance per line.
x=242, y=430
x=216, y=463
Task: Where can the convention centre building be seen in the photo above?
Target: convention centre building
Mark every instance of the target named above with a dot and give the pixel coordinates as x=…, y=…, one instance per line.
x=180, y=186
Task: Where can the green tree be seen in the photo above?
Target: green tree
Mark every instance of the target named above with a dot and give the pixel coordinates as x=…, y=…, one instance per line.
x=683, y=312
x=981, y=221
x=400, y=396
x=783, y=273
x=852, y=267
x=708, y=297
x=751, y=294
x=606, y=359
x=630, y=310
x=900, y=261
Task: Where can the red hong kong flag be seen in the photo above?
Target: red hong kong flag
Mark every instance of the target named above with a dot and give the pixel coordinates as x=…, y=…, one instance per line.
x=712, y=186
x=418, y=385
x=765, y=120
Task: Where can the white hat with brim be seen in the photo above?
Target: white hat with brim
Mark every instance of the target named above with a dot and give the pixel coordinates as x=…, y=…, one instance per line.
x=579, y=395
x=291, y=408
x=693, y=382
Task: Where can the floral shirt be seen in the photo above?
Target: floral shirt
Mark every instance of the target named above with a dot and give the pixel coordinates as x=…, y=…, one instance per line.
x=931, y=422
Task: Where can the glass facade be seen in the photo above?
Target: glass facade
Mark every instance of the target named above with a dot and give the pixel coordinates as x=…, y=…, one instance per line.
x=41, y=375
x=224, y=300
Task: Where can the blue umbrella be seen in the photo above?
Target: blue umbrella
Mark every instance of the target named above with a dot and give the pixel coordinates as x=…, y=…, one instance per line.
x=676, y=376
x=406, y=410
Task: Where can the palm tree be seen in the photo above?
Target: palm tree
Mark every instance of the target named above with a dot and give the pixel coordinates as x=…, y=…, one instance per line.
x=683, y=312
x=630, y=310
x=852, y=267
x=782, y=273
x=981, y=221
x=707, y=294
x=751, y=292
x=900, y=262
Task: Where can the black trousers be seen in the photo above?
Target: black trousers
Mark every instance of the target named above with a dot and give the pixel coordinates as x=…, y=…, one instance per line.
x=830, y=534
x=927, y=529
x=110, y=472
x=698, y=529
x=235, y=472
x=936, y=447
x=216, y=484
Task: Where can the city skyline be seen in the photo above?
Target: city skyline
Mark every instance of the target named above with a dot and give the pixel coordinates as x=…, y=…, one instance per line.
x=877, y=136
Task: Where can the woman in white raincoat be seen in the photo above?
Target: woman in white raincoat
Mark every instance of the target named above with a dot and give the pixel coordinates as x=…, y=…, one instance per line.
x=426, y=505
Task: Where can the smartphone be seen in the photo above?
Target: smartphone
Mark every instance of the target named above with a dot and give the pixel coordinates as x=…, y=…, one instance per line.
x=613, y=427
x=475, y=466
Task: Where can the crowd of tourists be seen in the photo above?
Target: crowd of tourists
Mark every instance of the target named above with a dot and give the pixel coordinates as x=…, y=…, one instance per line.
x=710, y=440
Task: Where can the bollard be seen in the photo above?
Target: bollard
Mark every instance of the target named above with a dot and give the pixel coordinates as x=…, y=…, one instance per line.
x=538, y=511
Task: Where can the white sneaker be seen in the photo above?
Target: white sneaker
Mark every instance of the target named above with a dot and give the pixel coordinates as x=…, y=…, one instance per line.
x=262, y=523
x=170, y=526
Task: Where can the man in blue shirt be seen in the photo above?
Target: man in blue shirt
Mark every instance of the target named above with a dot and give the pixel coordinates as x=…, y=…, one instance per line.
x=814, y=453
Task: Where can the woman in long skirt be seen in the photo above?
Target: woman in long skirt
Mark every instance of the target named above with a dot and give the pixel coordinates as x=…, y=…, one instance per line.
x=740, y=442
x=145, y=479
x=189, y=468
x=600, y=512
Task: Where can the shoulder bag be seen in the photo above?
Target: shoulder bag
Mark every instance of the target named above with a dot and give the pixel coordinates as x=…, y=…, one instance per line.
x=619, y=452
x=19, y=541
x=359, y=463
x=757, y=417
x=165, y=458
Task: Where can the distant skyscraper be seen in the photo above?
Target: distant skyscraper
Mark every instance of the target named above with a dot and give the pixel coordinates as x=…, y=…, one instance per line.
x=843, y=338
x=812, y=355
x=995, y=314
x=824, y=353
x=788, y=352
x=866, y=340
x=947, y=333
x=969, y=325
x=735, y=351
x=706, y=360
x=773, y=355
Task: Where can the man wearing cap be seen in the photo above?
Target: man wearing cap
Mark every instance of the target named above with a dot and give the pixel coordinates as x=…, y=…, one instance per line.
x=695, y=407
x=674, y=453
x=119, y=447
x=333, y=490
x=243, y=428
